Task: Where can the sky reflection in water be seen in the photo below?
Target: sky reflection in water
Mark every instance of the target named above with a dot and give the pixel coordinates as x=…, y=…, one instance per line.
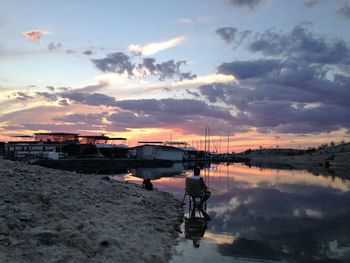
x=265, y=214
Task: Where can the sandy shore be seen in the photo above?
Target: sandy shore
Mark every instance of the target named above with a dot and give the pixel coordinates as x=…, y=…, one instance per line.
x=48, y=215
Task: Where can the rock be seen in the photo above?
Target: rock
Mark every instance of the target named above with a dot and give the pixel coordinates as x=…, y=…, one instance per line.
x=4, y=229
x=153, y=258
x=24, y=217
x=47, y=237
x=15, y=242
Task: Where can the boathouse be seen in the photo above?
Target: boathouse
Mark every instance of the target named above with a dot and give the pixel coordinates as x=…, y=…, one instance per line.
x=157, y=152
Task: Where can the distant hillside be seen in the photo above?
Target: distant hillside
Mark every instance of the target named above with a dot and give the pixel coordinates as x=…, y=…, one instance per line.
x=329, y=160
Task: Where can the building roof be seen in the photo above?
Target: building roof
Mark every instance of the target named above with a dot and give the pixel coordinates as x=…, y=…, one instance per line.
x=56, y=133
x=158, y=146
x=151, y=142
x=97, y=137
x=22, y=136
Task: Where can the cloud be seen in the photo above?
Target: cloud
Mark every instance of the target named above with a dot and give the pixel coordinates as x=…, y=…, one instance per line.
x=194, y=20
x=35, y=34
x=252, y=4
x=89, y=118
x=87, y=52
x=70, y=51
x=188, y=115
x=277, y=216
x=291, y=100
x=94, y=99
x=115, y=62
x=183, y=107
x=227, y=33
x=232, y=34
x=55, y=46
x=122, y=64
x=301, y=87
x=344, y=11
x=250, y=69
x=155, y=47
x=165, y=70
x=300, y=43
x=49, y=96
x=93, y=87
x=311, y=3
x=23, y=96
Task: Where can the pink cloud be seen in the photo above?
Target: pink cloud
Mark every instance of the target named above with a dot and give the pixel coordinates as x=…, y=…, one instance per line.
x=35, y=34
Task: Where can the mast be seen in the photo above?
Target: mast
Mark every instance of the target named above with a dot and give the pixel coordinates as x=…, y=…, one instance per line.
x=205, y=138
x=228, y=142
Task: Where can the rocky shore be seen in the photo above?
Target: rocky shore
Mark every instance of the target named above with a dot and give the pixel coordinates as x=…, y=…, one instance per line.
x=49, y=215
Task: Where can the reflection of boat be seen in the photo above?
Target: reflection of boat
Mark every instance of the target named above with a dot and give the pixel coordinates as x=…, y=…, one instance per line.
x=159, y=172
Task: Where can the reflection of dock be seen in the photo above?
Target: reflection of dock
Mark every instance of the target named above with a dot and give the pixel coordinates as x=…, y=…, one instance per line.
x=158, y=172
x=100, y=165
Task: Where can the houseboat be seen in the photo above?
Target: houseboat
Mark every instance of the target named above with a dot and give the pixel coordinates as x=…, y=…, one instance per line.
x=58, y=145
x=156, y=151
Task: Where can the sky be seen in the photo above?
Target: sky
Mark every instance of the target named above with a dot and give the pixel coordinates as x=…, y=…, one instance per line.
x=269, y=73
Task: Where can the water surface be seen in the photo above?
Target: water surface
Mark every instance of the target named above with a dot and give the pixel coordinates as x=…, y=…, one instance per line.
x=262, y=215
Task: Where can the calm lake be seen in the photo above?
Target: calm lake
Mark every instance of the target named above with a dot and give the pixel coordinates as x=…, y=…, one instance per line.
x=261, y=215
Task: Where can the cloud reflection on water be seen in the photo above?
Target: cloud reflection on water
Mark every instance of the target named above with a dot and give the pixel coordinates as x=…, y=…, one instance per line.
x=274, y=214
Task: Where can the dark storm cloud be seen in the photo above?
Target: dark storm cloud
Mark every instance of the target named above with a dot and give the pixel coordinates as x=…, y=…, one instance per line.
x=301, y=43
x=232, y=34
x=193, y=124
x=49, y=96
x=344, y=11
x=184, y=107
x=93, y=99
x=249, y=69
x=92, y=119
x=302, y=87
x=58, y=127
x=63, y=102
x=121, y=63
x=292, y=100
x=228, y=34
x=165, y=70
x=245, y=3
x=115, y=62
x=193, y=93
x=87, y=52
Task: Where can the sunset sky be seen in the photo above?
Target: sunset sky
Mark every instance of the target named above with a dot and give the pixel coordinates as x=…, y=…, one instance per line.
x=268, y=72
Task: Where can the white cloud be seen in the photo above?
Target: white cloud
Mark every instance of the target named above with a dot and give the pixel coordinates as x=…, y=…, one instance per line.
x=194, y=20
x=155, y=47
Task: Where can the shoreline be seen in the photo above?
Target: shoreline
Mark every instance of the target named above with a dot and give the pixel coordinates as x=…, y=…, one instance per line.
x=51, y=215
x=332, y=161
